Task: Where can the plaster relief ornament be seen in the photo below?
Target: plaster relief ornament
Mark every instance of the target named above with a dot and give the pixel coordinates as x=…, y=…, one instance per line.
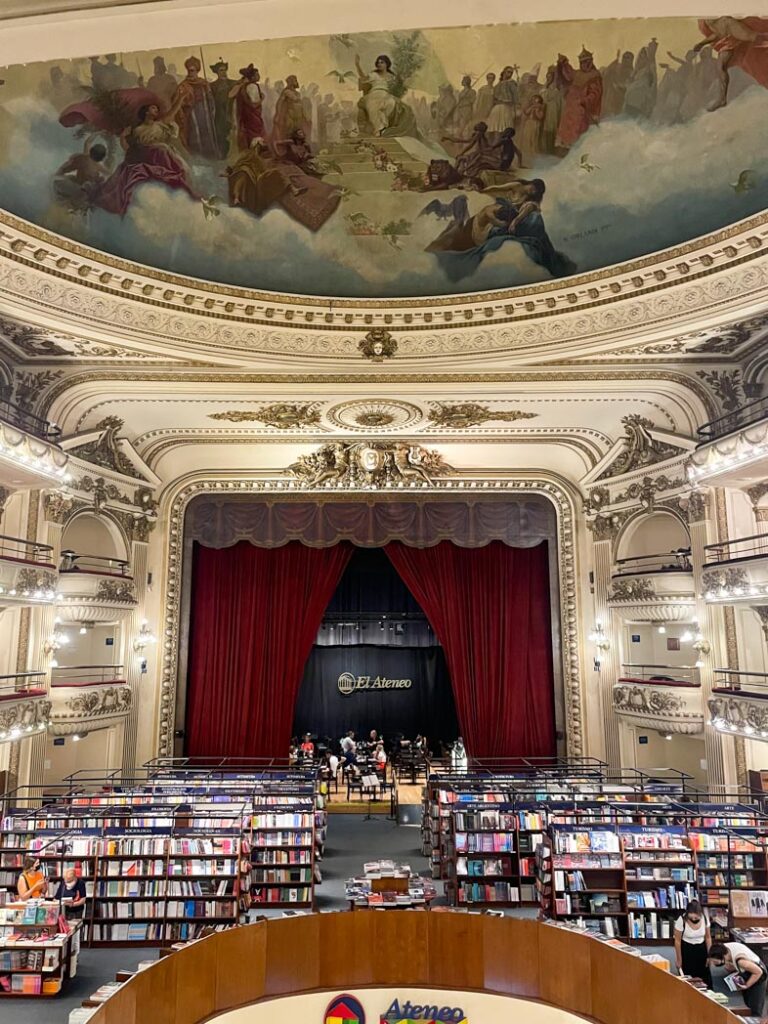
x=284, y=415
x=378, y=345
x=105, y=451
x=473, y=414
x=632, y=590
x=369, y=464
x=641, y=448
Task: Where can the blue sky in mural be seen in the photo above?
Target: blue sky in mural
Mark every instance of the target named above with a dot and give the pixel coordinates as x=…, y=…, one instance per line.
x=622, y=157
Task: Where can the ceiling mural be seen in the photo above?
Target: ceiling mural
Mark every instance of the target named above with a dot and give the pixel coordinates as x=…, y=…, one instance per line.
x=397, y=164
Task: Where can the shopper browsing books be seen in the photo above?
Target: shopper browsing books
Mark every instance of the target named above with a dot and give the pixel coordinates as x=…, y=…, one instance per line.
x=72, y=889
x=32, y=883
x=751, y=972
x=692, y=943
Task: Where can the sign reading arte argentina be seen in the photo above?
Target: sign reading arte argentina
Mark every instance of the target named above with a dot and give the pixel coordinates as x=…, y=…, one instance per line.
x=349, y=683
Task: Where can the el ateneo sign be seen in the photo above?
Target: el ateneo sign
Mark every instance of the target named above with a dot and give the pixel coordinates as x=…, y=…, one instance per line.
x=348, y=683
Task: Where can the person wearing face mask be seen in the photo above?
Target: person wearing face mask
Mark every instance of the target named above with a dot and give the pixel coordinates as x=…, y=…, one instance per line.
x=753, y=974
x=692, y=943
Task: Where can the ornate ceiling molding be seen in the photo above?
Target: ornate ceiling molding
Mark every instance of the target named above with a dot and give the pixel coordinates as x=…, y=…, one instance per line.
x=177, y=500
x=717, y=275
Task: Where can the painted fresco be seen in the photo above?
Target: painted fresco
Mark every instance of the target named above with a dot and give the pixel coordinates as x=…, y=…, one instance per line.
x=397, y=163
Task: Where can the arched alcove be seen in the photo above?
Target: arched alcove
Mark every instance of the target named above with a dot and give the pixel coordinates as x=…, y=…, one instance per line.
x=655, y=533
x=98, y=536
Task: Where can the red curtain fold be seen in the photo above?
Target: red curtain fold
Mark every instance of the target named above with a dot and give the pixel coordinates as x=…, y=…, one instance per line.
x=490, y=610
x=255, y=615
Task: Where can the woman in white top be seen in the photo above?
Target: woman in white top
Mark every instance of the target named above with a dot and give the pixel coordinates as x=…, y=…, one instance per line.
x=692, y=942
x=753, y=973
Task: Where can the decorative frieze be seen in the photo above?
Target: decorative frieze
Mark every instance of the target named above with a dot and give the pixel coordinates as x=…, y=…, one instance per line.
x=632, y=590
x=374, y=464
x=654, y=706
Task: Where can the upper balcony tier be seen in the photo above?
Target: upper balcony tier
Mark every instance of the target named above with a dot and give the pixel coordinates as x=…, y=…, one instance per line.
x=27, y=572
x=662, y=697
x=88, y=697
x=24, y=705
x=654, y=588
x=30, y=455
x=94, y=588
x=739, y=703
x=733, y=448
x=736, y=571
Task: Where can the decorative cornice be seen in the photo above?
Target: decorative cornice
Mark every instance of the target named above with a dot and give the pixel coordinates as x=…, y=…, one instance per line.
x=715, y=274
x=369, y=464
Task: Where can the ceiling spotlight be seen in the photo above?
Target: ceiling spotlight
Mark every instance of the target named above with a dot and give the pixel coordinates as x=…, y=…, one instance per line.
x=662, y=629
x=82, y=631
x=75, y=738
x=668, y=736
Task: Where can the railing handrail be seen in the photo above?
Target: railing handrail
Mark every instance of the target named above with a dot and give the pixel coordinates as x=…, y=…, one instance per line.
x=739, y=672
x=22, y=675
x=81, y=668
x=735, y=420
x=656, y=554
x=637, y=664
x=29, y=421
x=26, y=543
x=721, y=547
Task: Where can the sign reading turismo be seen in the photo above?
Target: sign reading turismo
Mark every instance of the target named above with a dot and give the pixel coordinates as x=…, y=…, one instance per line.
x=408, y=1012
x=349, y=683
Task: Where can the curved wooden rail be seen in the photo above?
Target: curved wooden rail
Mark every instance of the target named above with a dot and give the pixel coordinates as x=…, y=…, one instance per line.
x=345, y=951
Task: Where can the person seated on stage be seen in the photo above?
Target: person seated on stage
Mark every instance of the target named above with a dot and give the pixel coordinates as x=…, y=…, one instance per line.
x=32, y=883
x=373, y=738
x=380, y=757
x=332, y=762
x=348, y=744
x=307, y=746
x=293, y=750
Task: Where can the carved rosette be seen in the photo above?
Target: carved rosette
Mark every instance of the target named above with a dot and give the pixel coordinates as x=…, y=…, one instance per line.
x=654, y=706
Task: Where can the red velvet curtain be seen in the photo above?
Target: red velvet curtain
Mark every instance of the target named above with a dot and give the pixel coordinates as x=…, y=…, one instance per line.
x=255, y=615
x=489, y=608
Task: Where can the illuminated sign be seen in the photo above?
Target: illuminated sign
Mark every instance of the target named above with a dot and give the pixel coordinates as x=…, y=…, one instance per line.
x=349, y=683
x=400, y=1012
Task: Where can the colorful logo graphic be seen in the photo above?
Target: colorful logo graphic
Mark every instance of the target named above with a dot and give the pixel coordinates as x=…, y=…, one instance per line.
x=345, y=1010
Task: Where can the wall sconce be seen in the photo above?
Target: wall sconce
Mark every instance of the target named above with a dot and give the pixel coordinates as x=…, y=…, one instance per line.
x=696, y=639
x=55, y=642
x=601, y=642
x=144, y=638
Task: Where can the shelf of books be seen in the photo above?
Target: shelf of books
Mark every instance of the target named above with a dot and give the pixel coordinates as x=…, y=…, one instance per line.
x=37, y=949
x=659, y=872
x=588, y=887
x=283, y=851
x=731, y=877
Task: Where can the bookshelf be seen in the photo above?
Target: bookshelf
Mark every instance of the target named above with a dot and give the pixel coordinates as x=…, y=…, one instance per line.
x=588, y=882
x=660, y=876
x=37, y=955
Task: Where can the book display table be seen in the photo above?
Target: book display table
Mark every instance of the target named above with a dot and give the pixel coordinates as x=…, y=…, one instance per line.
x=38, y=949
x=385, y=885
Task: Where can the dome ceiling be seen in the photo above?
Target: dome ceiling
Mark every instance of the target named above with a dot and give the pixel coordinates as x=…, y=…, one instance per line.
x=604, y=142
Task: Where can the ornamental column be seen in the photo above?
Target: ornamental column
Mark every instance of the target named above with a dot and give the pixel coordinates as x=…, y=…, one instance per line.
x=135, y=662
x=606, y=667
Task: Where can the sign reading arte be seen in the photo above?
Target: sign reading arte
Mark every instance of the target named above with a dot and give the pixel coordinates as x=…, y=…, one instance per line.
x=349, y=683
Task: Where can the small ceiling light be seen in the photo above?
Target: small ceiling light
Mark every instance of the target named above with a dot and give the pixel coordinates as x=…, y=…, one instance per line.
x=662, y=629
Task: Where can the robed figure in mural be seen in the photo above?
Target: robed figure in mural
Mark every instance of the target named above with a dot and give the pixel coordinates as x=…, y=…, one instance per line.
x=248, y=99
x=289, y=111
x=583, y=97
x=740, y=42
x=380, y=111
x=221, y=87
x=196, y=113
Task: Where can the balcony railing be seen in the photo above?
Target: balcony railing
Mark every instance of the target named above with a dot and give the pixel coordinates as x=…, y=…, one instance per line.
x=28, y=421
x=86, y=675
x=754, y=546
x=19, y=550
x=22, y=684
x=752, y=684
x=668, y=675
x=665, y=561
x=745, y=416
x=73, y=561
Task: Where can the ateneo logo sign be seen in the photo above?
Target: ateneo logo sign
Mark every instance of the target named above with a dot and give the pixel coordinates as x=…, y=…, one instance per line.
x=349, y=683
x=406, y=1012
x=344, y=1010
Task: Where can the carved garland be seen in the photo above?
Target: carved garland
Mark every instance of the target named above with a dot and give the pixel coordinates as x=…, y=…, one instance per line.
x=567, y=583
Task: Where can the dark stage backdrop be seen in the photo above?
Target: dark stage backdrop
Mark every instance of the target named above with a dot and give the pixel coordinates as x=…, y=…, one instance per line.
x=425, y=707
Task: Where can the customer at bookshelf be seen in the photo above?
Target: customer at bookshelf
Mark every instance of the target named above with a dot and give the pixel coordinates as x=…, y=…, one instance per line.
x=32, y=883
x=72, y=888
x=753, y=973
x=692, y=943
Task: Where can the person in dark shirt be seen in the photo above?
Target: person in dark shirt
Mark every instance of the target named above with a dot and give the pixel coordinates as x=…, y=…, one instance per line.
x=72, y=888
